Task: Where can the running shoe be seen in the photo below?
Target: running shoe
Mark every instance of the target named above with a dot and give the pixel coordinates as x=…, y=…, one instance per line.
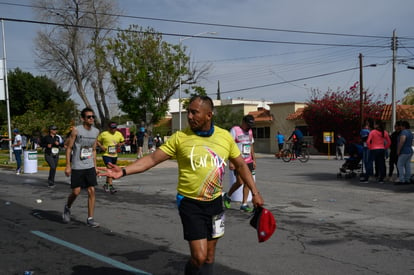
x=92, y=223
x=226, y=200
x=246, y=208
x=112, y=189
x=66, y=214
x=106, y=187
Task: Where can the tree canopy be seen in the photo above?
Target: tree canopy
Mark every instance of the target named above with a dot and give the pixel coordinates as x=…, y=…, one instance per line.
x=24, y=88
x=409, y=96
x=339, y=112
x=37, y=102
x=146, y=72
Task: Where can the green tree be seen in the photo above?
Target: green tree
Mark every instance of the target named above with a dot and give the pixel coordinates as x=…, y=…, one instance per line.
x=37, y=120
x=339, y=112
x=409, y=96
x=37, y=102
x=146, y=72
x=225, y=118
x=24, y=88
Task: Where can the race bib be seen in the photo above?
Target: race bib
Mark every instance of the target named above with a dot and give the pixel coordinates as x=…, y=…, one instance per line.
x=218, y=225
x=111, y=149
x=55, y=150
x=86, y=153
x=246, y=149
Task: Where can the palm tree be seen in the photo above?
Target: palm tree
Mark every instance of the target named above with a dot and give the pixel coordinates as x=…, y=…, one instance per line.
x=409, y=96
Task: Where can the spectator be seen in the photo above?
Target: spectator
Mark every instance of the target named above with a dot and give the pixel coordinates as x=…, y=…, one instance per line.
x=405, y=153
x=151, y=145
x=139, y=139
x=340, y=147
x=364, y=133
x=393, y=157
x=280, y=138
x=158, y=140
x=378, y=141
x=17, y=149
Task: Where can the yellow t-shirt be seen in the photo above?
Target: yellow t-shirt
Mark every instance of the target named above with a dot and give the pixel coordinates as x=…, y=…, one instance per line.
x=109, y=141
x=201, y=161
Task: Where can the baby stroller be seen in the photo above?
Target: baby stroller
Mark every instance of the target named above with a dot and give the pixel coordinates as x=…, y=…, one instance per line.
x=352, y=164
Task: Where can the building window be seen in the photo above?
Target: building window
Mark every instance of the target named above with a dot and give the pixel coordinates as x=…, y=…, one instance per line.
x=262, y=132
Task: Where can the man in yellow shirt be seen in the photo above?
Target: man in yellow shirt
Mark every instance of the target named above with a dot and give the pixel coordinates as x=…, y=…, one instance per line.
x=110, y=142
x=202, y=151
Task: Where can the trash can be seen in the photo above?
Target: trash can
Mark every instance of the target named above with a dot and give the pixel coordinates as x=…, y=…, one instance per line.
x=30, y=162
x=238, y=194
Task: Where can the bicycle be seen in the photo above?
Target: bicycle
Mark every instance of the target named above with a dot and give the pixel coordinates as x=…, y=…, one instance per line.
x=289, y=154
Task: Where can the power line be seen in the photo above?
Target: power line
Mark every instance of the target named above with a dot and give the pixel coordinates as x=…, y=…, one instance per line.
x=290, y=81
x=205, y=23
x=204, y=37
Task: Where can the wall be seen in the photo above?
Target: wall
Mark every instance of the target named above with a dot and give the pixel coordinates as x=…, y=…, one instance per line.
x=280, y=112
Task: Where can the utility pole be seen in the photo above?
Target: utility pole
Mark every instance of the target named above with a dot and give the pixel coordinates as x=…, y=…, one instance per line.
x=394, y=54
x=218, y=90
x=6, y=89
x=361, y=92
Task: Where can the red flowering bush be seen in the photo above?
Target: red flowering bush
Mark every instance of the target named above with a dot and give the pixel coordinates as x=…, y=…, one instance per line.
x=339, y=112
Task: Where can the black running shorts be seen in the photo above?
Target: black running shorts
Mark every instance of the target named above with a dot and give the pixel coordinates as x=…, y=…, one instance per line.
x=83, y=178
x=196, y=217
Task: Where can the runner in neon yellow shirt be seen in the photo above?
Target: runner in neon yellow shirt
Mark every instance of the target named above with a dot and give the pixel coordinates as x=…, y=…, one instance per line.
x=201, y=152
x=110, y=142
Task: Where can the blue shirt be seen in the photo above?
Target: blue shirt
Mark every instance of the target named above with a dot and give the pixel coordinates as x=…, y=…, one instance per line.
x=406, y=148
x=280, y=139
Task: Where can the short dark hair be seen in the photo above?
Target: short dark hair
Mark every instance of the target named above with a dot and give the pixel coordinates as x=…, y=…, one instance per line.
x=204, y=98
x=249, y=120
x=405, y=124
x=86, y=110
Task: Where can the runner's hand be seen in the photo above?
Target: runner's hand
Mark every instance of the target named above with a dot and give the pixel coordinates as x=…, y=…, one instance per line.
x=113, y=171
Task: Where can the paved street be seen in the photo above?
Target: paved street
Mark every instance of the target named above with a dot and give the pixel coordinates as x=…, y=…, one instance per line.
x=325, y=225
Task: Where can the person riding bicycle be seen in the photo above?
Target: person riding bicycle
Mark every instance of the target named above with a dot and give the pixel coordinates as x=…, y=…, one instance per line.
x=297, y=139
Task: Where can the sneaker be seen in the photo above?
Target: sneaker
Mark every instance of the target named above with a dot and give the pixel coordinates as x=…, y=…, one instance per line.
x=18, y=171
x=112, y=189
x=90, y=222
x=226, y=201
x=246, y=208
x=66, y=214
x=363, y=180
x=106, y=187
x=381, y=181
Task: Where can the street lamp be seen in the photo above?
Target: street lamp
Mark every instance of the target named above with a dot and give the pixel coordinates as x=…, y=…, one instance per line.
x=179, y=93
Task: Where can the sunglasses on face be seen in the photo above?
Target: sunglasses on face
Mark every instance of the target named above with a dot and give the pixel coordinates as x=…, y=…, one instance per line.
x=89, y=117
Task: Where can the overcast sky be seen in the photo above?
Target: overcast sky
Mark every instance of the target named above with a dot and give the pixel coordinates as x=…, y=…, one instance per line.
x=266, y=50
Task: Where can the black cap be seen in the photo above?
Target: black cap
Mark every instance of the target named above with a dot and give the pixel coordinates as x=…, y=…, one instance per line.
x=113, y=125
x=52, y=127
x=249, y=119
